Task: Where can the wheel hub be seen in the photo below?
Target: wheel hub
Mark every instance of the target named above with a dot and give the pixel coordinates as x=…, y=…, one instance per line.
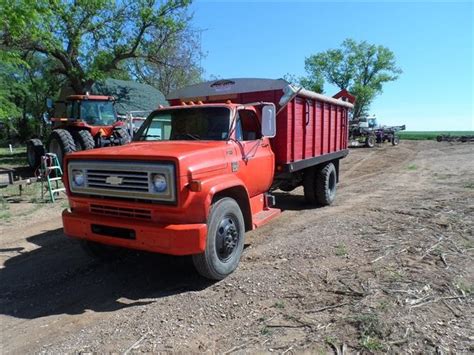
x=227, y=238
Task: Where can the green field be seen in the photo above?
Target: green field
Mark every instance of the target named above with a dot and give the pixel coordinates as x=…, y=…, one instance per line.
x=423, y=135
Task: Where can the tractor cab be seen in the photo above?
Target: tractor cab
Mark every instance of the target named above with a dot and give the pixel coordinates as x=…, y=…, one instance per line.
x=93, y=110
x=368, y=122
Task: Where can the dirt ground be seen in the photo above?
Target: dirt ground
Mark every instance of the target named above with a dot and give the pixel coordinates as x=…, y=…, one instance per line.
x=388, y=267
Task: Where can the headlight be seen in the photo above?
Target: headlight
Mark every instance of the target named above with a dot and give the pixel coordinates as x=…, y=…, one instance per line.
x=159, y=183
x=78, y=178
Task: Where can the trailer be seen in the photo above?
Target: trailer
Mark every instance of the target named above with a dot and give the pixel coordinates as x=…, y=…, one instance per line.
x=200, y=173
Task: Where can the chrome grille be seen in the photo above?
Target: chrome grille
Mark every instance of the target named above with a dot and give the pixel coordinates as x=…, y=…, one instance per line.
x=121, y=212
x=125, y=180
x=135, y=181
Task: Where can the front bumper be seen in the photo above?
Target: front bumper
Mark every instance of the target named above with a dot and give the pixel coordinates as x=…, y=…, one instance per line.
x=174, y=239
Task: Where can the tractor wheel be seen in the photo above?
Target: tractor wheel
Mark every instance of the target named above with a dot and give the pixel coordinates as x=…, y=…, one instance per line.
x=83, y=140
x=395, y=140
x=122, y=135
x=370, y=142
x=320, y=185
x=34, y=152
x=225, y=241
x=61, y=143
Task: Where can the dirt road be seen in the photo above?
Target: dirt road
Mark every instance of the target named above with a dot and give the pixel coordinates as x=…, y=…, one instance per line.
x=388, y=267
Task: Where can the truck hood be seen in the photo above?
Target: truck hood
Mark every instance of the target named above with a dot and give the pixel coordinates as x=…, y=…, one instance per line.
x=193, y=157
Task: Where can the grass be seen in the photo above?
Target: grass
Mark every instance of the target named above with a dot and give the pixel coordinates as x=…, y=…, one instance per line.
x=431, y=135
x=464, y=286
x=4, y=209
x=371, y=329
x=279, y=305
x=341, y=250
x=17, y=158
x=372, y=344
x=469, y=185
x=412, y=167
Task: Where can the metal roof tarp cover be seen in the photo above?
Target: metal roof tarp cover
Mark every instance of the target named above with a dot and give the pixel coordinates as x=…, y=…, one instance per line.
x=130, y=95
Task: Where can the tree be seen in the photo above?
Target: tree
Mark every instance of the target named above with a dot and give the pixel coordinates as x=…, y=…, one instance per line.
x=88, y=40
x=359, y=67
x=175, y=66
x=25, y=83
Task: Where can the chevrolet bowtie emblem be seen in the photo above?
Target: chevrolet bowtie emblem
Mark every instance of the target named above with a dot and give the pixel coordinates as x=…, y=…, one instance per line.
x=114, y=180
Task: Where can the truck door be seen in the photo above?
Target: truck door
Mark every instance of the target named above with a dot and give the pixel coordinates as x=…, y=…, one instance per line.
x=256, y=159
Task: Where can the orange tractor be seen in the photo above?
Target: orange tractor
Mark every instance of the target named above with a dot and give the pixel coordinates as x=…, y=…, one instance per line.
x=88, y=122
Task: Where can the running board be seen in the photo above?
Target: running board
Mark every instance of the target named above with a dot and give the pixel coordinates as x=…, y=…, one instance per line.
x=262, y=217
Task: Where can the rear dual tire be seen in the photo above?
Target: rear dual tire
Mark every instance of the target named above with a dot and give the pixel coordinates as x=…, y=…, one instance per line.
x=320, y=184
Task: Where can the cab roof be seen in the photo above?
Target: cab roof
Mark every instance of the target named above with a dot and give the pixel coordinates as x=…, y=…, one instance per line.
x=90, y=97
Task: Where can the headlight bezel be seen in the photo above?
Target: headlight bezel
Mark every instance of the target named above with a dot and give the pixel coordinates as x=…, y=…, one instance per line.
x=166, y=168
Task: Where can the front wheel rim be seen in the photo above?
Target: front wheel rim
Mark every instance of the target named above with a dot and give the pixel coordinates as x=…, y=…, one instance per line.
x=227, y=238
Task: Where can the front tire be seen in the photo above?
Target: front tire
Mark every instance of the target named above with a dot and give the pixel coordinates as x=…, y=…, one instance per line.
x=320, y=185
x=122, y=135
x=370, y=142
x=225, y=241
x=83, y=140
x=395, y=140
x=61, y=143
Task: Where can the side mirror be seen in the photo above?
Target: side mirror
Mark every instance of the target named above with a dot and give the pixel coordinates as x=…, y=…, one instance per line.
x=269, y=121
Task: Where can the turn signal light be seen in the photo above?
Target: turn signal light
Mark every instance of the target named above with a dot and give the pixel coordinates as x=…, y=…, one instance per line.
x=195, y=186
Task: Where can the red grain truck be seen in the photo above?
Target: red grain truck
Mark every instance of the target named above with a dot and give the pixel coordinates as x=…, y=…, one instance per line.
x=200, y=173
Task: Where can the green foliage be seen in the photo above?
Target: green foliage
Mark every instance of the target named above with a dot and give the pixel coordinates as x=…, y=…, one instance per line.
x=25, y=83
x=431, y=135
x=341, y=250
x=89, y=40
x=279, y=304
x=359, y=67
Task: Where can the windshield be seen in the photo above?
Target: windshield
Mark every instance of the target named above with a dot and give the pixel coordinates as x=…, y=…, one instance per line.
x=193, y=123
x=98, y=113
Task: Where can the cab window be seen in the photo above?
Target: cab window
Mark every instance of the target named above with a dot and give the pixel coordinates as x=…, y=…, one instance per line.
x=247, y=126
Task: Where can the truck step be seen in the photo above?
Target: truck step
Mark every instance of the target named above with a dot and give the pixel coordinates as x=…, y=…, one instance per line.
x=55, y=179
x=264, y=216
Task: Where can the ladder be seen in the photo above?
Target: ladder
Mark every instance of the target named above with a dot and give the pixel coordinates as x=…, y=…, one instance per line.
x=51, y=174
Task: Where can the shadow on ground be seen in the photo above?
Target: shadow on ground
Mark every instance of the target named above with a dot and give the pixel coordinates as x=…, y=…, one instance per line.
x=59, y=278
x=289, y=201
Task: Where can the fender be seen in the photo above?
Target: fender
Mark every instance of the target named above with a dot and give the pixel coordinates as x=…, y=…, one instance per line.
x=220, y=183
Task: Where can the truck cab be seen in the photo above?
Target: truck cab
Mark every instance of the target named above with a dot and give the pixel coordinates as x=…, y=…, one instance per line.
x=196, y=177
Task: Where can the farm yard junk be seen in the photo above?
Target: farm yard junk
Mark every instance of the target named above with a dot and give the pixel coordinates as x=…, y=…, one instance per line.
x=450, y=138
x=90, y=121
x=364, y=131
x=200, y=173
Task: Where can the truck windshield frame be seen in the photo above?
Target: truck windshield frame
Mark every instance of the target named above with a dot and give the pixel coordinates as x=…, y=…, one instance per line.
x=189, y=123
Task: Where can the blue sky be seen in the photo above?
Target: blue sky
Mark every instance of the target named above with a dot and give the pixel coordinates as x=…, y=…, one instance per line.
x=432, y=40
